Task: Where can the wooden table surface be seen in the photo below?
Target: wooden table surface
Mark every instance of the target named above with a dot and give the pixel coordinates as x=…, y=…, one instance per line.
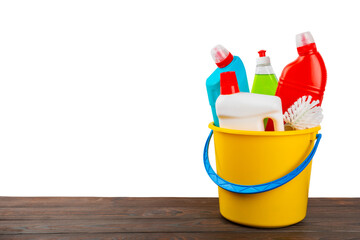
x=162, y=218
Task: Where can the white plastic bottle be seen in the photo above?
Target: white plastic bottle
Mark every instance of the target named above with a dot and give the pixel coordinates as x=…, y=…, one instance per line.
x=246, y=111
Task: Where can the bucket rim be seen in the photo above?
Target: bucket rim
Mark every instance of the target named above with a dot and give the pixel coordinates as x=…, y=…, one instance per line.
x=263, y=133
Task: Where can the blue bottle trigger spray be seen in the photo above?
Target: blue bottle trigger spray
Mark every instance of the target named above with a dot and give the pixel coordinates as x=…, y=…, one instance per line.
x=226, y=62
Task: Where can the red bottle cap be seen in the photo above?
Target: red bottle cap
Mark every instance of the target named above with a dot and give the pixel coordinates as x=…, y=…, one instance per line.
x=262, y=53
x=228, y=83
x=226, y=61
x=307, y=49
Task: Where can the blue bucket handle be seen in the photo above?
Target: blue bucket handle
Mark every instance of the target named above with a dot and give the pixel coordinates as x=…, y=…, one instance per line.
x=250, y=189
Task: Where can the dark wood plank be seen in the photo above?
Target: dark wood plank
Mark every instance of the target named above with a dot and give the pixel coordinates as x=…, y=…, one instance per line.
x=84, y=212
x=188, y=236
x=168, y=225
x=147, y=202
x=100, y=202
x=331, y=202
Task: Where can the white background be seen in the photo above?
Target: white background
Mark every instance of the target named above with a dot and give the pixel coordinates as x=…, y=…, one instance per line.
x=108, y=98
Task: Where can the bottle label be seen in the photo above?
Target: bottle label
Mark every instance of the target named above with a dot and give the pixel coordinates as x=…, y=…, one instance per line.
x=264, y=69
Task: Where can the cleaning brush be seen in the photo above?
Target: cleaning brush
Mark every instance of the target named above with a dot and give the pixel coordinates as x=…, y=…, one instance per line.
x=303, y=114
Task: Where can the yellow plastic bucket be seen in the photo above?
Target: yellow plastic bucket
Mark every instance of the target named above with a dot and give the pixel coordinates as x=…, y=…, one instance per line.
x=263, y=177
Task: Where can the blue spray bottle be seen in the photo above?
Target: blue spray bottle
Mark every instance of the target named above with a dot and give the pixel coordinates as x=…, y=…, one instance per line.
x=226, y=62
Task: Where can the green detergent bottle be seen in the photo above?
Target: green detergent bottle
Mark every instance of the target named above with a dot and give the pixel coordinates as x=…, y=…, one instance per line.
x=265, y=81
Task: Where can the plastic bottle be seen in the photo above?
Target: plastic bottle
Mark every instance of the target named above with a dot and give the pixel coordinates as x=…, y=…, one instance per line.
x=225, y=62
x=305, y=76
x=246, y=111
x=265, y=81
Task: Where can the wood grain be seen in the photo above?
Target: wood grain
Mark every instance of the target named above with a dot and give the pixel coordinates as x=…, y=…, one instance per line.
x=187, y=236
x=162, y=218
x=69, y=213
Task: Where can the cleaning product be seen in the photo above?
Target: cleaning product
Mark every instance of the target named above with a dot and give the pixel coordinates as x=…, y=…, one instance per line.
x=265, y=81
x=303, y=114
x=225, y=62
x=305, y=76
x=245, y=111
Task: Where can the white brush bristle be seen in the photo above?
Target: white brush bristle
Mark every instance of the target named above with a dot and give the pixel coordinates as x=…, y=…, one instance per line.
x=303, y=114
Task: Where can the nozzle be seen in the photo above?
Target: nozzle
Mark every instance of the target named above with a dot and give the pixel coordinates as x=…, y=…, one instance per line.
x=305, y=43
x=262, y=59
x=221, y=56
x=262, y=53
x=303, y=39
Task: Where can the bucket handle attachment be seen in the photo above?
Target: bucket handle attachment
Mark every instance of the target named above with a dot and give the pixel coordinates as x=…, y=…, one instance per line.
x=251, y=189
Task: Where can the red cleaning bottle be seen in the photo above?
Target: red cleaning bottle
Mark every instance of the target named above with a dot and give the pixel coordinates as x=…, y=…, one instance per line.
x=305, y=76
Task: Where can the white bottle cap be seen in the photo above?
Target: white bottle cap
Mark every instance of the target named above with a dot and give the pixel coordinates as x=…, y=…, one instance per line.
x=219, y=53
x=262, y=59
x=303, y=39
